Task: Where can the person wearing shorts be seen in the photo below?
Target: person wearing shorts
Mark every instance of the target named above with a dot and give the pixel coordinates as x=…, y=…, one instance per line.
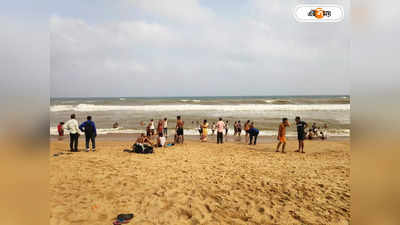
x=165, y=130
x=179, y=130
x=239, y=128
x=301, y=126
x=282, y=135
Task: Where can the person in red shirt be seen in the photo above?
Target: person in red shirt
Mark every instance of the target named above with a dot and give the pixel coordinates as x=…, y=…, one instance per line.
x=60, y=129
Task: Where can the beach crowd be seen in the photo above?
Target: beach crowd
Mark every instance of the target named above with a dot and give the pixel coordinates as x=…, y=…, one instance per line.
x=156, y=134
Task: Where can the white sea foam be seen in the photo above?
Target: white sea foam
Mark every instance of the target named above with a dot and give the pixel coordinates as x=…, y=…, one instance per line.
x=192, y=107
x=187, y=100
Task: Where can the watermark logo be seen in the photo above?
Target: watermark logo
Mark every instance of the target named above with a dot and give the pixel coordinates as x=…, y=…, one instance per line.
x=319, y=13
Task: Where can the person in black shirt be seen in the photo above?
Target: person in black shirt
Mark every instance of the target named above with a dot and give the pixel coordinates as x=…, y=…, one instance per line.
x=301, y=126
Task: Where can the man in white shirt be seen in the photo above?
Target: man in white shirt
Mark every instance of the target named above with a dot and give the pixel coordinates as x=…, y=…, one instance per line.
x=73, y=128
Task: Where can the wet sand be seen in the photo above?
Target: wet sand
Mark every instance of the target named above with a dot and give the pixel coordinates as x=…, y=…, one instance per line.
x=201, y=183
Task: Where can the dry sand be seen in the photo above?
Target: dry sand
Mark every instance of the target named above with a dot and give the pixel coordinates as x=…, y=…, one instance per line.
x=202, y=183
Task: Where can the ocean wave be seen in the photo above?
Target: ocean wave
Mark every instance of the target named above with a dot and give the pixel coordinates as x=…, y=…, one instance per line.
x=278, y=101
x=272, y=133
x=191, y=100
x=191, y=107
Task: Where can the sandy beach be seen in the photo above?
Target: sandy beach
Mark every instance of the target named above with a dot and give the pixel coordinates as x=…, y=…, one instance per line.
x=201, y=183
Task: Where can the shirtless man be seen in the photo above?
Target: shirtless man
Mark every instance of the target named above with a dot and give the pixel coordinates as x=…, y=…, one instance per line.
x=282, y=135
x=179, y=130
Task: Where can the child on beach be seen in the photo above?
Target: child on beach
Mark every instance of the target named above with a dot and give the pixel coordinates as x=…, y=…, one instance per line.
x=60, y=129
x=282, y=135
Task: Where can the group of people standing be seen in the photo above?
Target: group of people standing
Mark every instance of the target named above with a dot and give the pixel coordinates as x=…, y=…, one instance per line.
x=88, y=128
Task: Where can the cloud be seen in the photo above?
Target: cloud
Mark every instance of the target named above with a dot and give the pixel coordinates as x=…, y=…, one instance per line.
x=175, y=52
x=181, y=11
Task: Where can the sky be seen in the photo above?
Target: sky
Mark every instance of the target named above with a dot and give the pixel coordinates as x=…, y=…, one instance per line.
x=191, y=48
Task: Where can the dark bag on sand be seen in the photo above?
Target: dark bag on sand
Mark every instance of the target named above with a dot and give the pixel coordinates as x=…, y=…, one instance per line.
x=148, y=150
x=138, y=148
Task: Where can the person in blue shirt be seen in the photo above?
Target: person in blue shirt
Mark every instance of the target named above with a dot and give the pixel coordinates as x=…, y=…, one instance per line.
x=253, y=134
x=89, y=128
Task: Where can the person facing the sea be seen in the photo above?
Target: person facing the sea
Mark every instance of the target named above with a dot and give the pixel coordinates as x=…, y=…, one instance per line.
x=165, y=127
x=179, y=130
x=160, y=127
x=235, y=128
x=226, y=127
x=151, y=128
x=239, y=128
x=246, y=129
x=301, y=126
x=213, y=128
x=204, y=128
x=282, y=134
x=89, y=128
x=253, y=132
x=73, y=128
x=220, y=131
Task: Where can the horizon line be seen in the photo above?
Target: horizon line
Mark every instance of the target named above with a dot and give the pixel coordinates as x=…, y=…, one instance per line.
x=203, y=96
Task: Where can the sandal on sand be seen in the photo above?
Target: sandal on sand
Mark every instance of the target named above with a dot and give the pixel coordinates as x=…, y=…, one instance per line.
x=297, y=150
x=123, y=219
x=117, y=222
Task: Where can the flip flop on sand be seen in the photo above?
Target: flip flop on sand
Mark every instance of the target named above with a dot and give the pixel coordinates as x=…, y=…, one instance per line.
x=123, y=219
x=297, y=150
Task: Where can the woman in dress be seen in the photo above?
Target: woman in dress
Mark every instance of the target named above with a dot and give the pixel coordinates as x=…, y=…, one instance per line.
x=204, y=133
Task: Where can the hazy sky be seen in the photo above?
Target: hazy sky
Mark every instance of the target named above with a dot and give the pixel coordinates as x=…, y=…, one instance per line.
x=193, y=48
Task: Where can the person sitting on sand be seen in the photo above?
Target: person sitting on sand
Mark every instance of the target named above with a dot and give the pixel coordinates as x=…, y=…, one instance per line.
x=220, y=131
x=143, y=144
x=204, y=128
x=179, y=130
x=161, y=140
x=301, y=126
x=253, y=133
x=143, y=139
x=282, y=134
